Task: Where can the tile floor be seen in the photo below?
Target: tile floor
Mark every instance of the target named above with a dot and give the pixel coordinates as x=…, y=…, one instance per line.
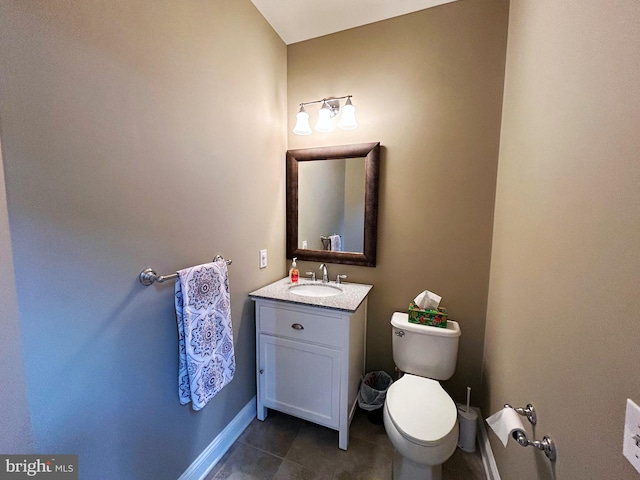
x=287, y=448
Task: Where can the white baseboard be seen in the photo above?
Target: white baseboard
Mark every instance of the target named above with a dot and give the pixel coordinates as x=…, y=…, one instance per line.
x=211, y=455
x=488, y=460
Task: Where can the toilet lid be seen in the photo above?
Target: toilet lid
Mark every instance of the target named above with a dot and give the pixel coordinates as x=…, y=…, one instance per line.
x=421, y=410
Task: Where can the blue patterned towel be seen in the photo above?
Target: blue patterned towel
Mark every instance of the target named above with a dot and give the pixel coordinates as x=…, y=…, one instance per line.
x=203, y=311
x=336, y=243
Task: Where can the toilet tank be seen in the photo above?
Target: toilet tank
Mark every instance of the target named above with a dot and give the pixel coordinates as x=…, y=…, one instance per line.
x=423, y=350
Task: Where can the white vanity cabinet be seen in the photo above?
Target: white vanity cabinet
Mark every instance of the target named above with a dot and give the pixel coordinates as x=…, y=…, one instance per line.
x=310, y=361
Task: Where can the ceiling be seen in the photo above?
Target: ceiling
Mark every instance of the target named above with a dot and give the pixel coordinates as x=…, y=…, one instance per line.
x=298, y=20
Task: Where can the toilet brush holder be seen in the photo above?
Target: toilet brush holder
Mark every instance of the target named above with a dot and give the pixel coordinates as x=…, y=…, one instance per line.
x=468, y=421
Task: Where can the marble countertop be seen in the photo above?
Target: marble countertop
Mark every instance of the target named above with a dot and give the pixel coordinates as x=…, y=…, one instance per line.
x=349, y=300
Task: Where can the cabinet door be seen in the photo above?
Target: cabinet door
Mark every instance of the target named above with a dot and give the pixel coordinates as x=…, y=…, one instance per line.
x=300, y=379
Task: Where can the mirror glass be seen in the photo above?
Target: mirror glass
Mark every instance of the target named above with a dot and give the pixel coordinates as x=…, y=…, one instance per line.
x=331, y=210
x=332, y=203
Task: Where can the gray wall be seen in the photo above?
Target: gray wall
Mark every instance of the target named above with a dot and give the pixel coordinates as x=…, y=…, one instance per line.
x=428, y=86
x=14, y=414
x=563, y=317
x=134, y=134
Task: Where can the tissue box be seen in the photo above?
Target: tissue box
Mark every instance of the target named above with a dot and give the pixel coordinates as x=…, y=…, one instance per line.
x=433, y=318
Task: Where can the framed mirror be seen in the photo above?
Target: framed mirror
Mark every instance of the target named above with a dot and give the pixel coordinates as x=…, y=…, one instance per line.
x=332, y=203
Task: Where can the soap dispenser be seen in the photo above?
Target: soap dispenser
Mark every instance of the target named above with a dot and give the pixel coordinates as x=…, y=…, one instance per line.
x=294, y=274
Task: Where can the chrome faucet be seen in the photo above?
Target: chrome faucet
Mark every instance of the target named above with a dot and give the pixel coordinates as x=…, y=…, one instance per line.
x=325, y=275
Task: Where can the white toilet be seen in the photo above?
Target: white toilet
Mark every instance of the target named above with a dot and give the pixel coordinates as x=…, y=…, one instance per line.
x=420, y=418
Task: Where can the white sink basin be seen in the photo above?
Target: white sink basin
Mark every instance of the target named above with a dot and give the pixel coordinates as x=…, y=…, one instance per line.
x=315, y=290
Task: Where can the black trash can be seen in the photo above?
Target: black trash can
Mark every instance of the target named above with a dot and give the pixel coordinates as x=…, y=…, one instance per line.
x=372, y=394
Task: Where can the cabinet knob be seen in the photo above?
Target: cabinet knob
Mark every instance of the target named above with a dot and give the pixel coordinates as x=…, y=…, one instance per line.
x=261, y=371
x=297, y=326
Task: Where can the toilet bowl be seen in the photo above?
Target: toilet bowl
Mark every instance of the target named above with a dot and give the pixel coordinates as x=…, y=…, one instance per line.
x=420, y=418
x=421, y=421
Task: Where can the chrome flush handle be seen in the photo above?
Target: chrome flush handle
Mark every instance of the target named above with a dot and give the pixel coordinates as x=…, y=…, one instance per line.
x=399, y=333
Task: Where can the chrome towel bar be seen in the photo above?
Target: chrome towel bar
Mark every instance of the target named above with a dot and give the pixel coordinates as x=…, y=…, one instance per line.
x=148, y=276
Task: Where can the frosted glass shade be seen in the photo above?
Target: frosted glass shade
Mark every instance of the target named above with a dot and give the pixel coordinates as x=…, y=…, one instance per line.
x=324, y=120
x=302, y=123
x=348, y=118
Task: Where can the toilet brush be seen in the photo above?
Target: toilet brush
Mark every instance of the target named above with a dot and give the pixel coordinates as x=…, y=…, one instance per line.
x=468, y=398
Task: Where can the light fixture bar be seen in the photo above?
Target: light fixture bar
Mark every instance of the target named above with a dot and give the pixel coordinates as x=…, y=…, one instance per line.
x=325, y=100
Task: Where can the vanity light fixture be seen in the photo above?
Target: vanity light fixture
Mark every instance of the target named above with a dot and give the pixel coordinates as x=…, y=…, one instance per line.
x=329, y=109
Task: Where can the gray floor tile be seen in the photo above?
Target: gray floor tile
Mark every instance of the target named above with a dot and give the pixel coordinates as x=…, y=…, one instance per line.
x=362, y=428
x=274, y=435
x=245, y=462
x=463, y=466
x=292, y=471
x=287, y=448
x=315, y=448
x=364, y=460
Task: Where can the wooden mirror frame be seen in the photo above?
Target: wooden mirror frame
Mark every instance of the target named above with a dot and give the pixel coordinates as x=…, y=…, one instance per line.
x=371, y=153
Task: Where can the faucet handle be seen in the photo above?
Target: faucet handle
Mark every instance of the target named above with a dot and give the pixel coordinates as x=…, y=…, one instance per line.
x=339, y=278
x=312, y=275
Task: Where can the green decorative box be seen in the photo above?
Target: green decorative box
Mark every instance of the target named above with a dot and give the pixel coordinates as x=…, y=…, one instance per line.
x=433, y=318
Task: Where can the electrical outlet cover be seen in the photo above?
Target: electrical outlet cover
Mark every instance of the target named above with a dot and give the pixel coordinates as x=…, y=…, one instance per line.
x=263, y=259
x=631, y=443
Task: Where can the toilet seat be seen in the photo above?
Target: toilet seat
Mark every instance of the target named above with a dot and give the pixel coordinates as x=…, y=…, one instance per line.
x=421, y=410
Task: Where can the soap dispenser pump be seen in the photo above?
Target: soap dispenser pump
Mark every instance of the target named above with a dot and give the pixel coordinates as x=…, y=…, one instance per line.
x=294, y=274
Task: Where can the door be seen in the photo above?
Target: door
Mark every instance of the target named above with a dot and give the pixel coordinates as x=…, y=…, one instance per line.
x=301, y=379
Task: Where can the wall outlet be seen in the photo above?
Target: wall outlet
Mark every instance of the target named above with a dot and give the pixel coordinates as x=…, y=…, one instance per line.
x=263, y=258
x=631, y=442
x=304, y=244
